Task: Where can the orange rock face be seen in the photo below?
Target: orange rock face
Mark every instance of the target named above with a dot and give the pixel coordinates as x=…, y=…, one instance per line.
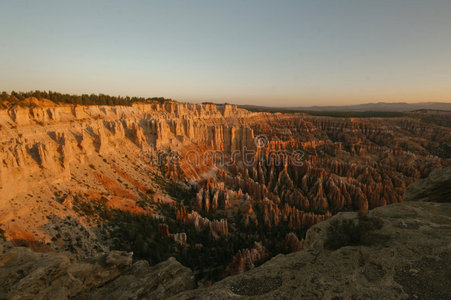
x=245, y=177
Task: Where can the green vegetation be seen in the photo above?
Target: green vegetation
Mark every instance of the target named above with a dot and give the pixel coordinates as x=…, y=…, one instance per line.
x=437, y=117
x=176, y=190
x=356, y=114
x=139, y=233
x=17, y=98
x=335, y=114
x=179, y=192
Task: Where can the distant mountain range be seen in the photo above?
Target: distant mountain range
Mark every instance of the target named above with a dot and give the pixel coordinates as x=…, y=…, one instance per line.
x=379, y=106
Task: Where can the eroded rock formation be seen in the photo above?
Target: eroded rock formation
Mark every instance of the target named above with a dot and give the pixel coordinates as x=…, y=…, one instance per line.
x=211, y=175
x=246, y=259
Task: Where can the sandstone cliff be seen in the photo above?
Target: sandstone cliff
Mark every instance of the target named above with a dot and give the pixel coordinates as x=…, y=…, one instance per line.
x=50, y=152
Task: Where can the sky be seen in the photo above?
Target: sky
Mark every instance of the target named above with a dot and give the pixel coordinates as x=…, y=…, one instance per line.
x=276, y=53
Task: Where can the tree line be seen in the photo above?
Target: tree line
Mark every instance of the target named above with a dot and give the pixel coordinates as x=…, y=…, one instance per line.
x=18, y=98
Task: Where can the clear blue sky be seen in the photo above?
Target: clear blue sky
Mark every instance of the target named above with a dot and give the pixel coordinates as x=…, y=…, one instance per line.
x=256, y=52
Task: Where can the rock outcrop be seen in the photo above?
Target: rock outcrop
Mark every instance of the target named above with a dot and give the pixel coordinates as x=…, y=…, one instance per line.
x=412, y=261
x=50, y=139
x=436, y=187
x=29, y=275
x=216, y=227
x=246, y=259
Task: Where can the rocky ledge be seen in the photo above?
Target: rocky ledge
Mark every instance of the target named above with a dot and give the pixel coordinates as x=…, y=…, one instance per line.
x=29, y=275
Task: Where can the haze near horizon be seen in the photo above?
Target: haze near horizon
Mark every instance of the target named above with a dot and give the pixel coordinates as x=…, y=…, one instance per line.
x=287, y=53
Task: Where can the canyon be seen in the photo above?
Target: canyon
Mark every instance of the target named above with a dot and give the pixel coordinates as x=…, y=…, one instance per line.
x=404, y=256
x=220, y=188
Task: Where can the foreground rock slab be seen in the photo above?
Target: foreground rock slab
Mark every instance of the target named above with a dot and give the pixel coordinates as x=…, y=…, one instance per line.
x=414, y=261
x=29, y=275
